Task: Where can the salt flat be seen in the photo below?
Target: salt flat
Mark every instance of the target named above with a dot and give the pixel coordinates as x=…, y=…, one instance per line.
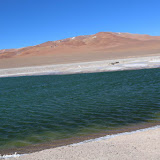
x=85, y=67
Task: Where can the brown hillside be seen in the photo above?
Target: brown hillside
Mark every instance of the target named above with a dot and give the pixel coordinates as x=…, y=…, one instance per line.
x=102, y=45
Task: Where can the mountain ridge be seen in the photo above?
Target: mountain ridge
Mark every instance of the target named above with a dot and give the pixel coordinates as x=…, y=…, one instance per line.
x=99, y=42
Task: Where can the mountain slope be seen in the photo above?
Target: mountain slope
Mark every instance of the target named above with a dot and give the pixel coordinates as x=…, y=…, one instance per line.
x=100, y=46
x=100, y=42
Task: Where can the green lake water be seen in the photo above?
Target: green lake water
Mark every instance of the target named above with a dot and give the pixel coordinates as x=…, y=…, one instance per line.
x=37, y=109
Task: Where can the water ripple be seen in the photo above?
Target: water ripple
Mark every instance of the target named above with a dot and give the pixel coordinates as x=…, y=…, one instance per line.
x=43, y=108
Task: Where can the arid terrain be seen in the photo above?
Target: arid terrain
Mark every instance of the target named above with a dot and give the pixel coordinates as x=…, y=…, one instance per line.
x=97, y=47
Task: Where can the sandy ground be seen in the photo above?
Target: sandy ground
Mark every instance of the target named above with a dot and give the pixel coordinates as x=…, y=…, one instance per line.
x=138, y=145
x=85, y=67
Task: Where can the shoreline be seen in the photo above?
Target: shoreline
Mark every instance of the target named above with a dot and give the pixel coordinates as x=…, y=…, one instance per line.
x=44, y=153
x=85, y=67
x=77, y=140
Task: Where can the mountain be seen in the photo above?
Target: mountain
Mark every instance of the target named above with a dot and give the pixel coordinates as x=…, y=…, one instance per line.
x=99, y=46
x=100, y=42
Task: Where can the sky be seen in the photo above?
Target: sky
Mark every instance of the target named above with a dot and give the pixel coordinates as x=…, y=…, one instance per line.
x=31, y=22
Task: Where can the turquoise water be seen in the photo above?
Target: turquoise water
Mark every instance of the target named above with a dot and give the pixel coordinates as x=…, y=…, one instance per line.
x=37, y=109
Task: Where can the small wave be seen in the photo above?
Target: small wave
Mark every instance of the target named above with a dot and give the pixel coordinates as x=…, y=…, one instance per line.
x=11, y=156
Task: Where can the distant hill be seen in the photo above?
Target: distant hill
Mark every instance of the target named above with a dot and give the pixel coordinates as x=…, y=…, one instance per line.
x=102, y=42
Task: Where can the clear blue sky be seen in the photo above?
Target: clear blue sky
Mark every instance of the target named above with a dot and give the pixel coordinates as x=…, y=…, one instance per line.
x=30, y=22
